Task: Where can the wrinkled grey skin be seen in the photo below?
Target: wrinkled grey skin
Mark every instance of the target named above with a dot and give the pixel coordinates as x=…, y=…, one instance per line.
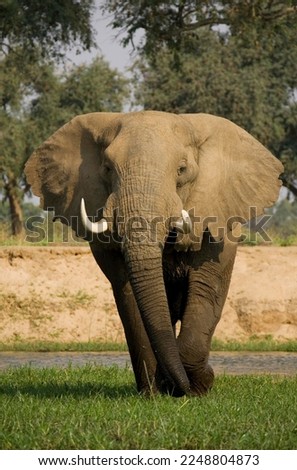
x=134, y=169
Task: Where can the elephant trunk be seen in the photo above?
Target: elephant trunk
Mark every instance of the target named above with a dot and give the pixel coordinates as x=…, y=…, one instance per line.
x=146, y=277
x=140, y=211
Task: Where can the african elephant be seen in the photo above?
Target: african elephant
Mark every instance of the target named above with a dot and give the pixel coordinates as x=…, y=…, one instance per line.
x=164, y=192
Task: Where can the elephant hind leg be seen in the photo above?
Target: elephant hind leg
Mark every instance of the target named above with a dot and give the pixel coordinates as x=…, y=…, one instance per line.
x=201, y=377
x=194, y=346
x=207, y=291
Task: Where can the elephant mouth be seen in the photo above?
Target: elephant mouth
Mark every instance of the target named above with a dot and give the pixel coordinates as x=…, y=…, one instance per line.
x=183, y=224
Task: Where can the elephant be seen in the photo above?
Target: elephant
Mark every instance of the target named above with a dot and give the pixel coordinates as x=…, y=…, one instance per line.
x=159, y=196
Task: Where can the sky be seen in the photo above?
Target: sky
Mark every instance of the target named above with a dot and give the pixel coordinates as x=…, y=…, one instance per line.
x=108, y=45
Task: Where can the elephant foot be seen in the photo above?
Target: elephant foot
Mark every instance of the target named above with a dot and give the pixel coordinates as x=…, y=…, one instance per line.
x=146, y=385
x=166, y=387
x=148, y=391
x=201, y=381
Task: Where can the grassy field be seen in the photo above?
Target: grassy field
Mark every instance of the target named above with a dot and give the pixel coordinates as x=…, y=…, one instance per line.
x=253, y=344
x=98, y=408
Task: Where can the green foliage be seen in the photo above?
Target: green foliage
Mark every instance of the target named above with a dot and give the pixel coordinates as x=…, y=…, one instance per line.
x=82, y=89
x=32, y=33
x=283, y=223
x=98, y=408
x=168, y=23
x=93, y=88
x=222, y=78
x=29, y=210
x=45, y=25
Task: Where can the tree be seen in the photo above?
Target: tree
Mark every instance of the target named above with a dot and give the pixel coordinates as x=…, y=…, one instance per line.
x=83, y=89
x=95, y=87
x=47, y=26
x=53, y=100
x=236, y=59
x=12, y=146
x=32, y=33
x=284, y=221
x=168, y=23
x=224, y=78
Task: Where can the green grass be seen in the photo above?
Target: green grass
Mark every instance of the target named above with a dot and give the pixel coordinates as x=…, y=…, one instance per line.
x=51, y=346
x=51, y=233
x=277, y=238
x=98, y=408
x=253, y=344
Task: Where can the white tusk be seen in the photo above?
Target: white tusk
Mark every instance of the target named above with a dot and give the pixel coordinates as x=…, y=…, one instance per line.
x=187, y=221
x=93, y=227
x=184, y=224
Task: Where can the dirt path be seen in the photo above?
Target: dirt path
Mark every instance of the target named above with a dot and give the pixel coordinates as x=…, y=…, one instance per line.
x=59, y=294
x=280, y=363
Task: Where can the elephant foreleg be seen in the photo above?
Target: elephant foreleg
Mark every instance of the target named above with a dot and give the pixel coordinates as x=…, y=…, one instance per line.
x=142, y=357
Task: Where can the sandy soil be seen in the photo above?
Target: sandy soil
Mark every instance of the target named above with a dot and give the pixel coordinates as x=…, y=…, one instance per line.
x=59, y=294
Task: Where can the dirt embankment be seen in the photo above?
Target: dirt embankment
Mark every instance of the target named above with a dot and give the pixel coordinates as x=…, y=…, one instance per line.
x=59, y=294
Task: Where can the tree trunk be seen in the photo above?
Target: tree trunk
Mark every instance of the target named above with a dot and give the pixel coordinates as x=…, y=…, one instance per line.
x=16, y=213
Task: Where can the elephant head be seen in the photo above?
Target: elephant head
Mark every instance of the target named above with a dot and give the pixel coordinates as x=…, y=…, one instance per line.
x=141, y=174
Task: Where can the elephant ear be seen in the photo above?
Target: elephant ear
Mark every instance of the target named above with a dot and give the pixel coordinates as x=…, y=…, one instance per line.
x=66, y=167
x=237, y=176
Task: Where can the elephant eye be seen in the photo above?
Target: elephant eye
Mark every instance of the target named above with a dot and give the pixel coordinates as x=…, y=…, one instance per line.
x=106, y=171
x=106, y=168
x=186, y=172
x=182, y=175
x=181, y=170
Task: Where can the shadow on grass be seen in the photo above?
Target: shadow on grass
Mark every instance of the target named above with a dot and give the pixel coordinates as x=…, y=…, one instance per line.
x=54, y=390
x=72, y=382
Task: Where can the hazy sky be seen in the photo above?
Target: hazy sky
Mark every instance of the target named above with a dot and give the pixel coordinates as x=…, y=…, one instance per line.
x=108, y=45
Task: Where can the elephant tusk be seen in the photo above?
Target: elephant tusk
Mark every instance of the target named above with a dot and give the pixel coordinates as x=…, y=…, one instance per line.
x=186, y=221
x=93, y=227
x=184, y=224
